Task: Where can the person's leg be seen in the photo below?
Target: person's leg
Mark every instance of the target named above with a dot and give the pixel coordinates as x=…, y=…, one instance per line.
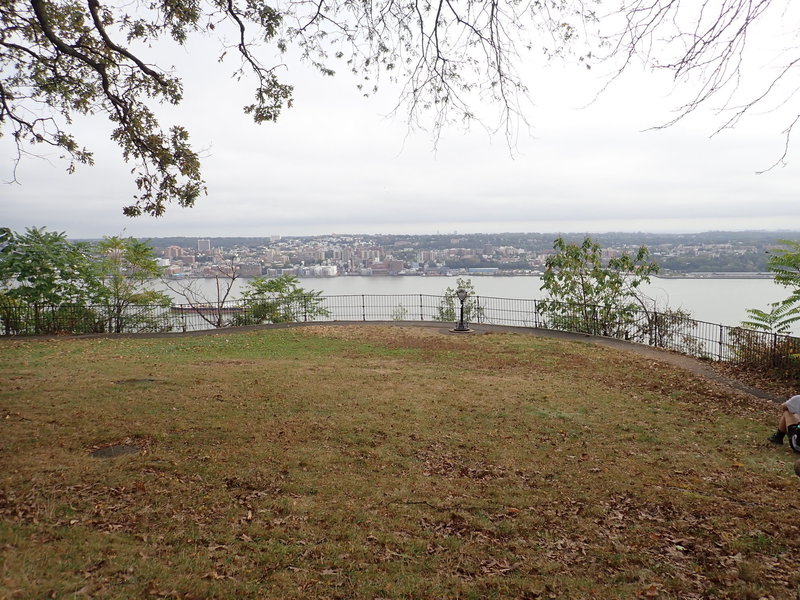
x=786, y=420
x=782, y=424
x=777, y=437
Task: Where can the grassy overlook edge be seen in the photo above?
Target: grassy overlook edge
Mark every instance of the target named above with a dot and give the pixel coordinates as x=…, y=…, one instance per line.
x=377, y=461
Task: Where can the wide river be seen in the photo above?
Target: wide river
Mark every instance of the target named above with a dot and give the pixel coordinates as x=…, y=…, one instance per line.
x=722, y=301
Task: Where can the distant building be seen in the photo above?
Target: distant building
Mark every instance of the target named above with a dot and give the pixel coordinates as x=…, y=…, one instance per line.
x=250, y=270
x=204, y=245
x=379, y=268
x=394, y=267
x=328, y=271
x=483, y=270
x=369, y=254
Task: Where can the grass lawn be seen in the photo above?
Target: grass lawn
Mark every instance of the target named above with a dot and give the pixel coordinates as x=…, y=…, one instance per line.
x=382, y=462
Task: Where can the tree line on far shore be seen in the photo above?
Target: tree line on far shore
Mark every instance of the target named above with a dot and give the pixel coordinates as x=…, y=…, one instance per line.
x=40, y=268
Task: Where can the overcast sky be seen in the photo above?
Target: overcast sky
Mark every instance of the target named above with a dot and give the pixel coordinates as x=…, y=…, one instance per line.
x=335, y=163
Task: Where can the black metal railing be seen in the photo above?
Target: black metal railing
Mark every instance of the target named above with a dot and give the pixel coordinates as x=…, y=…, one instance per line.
x=669, y=330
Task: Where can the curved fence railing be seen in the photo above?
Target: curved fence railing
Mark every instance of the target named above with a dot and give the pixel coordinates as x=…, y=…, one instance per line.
x=779, y=354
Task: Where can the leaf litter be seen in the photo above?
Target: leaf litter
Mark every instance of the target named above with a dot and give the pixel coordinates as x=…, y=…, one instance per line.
x=567, y=471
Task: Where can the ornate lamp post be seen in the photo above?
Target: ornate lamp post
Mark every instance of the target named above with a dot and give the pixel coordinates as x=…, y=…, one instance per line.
x=462, y=327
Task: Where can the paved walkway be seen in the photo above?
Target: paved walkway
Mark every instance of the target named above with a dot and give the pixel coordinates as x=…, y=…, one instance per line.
x=689, y=363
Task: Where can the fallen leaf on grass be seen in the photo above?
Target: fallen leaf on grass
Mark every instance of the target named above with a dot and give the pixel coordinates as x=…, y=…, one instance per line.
x=651, y=591
x=494, y=567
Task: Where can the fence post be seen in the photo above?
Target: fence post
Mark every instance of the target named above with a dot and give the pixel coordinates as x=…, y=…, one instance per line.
x=363, y=307
x=720, y=342
x=654, y=327
x=421, y=318
x=305, y=308
x=774, y=357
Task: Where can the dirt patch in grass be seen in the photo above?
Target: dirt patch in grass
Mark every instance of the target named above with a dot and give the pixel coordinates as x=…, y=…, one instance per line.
x=384, y=462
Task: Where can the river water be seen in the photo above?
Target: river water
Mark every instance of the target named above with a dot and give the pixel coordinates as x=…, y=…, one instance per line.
x=723, y=301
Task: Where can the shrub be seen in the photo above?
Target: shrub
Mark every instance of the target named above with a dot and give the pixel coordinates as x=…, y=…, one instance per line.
x=763, y=351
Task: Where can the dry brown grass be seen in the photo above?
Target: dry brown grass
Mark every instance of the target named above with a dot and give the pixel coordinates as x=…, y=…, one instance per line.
x=383, y=462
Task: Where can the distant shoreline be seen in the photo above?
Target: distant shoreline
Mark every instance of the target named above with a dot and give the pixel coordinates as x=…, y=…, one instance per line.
x=693, y=275
x=716, y=275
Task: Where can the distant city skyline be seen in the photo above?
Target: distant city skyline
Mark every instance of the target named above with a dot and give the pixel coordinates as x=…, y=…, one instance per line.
x=511, y=253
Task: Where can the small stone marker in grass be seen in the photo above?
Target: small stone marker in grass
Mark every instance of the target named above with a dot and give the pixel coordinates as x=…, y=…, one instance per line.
x=115, y=450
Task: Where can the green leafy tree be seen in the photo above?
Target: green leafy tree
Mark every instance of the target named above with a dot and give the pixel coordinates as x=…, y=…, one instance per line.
x=44, y=267
x=56, y=278
x=450, y=305
x=64, y=58
x=785, y=264
x=781, y=316
x=127, y=268
x=586, y=295
x=280, y=300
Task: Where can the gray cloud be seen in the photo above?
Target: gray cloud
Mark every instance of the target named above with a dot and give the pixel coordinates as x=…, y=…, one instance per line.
x=335, y=163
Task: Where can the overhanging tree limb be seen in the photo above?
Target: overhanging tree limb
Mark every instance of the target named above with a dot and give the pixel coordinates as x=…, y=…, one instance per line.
x=449, y=59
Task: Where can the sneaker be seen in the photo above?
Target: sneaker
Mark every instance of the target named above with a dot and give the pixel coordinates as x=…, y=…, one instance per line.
x=777, y=438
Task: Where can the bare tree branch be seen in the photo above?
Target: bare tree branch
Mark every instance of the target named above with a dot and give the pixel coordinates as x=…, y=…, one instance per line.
x=707, y=47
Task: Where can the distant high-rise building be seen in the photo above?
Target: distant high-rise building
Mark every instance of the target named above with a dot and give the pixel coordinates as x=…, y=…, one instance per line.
x=204, y=245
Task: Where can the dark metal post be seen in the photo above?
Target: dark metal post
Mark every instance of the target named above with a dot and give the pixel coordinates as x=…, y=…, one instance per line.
x=774, y=357
x=462, y=327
